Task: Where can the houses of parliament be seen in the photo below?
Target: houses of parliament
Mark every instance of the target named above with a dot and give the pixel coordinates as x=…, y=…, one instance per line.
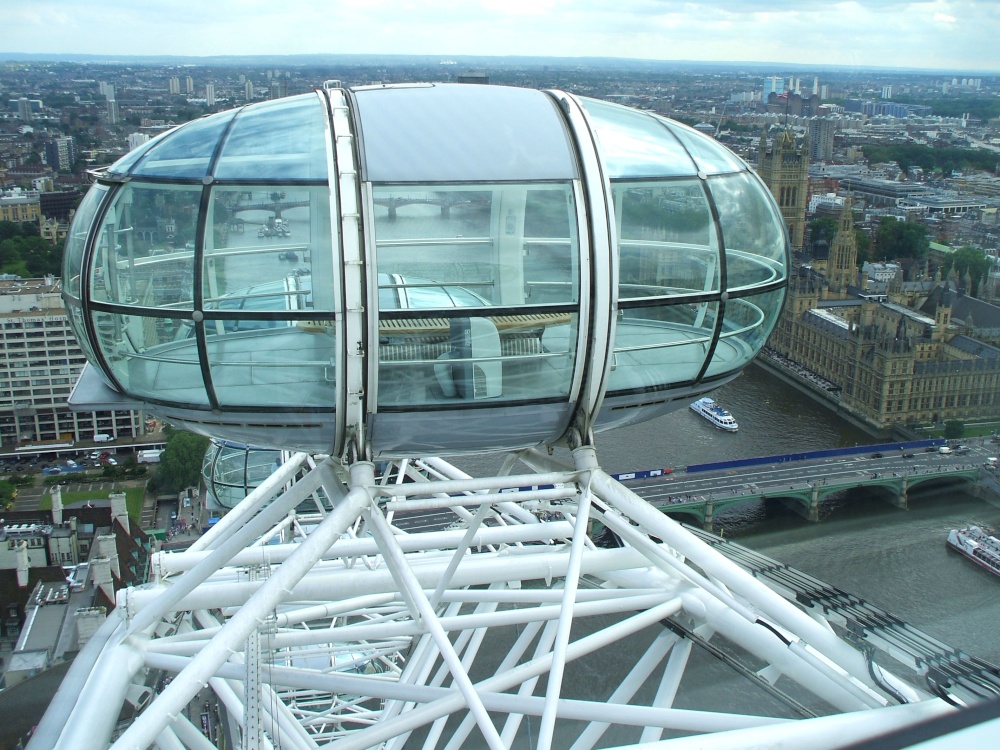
x=906, y=358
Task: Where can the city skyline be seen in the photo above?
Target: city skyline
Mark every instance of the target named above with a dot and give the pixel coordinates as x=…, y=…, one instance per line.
x=947, y=35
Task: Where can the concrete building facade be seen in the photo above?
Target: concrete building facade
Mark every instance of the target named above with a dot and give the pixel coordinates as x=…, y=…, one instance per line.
x=43, y=360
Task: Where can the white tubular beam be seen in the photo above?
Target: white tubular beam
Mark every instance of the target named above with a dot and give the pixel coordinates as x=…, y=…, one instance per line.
x=456, y=558
x=165, y=601
x=686, y=720
x=408, y=583
x=453, y=501
x=427, y=713
x=716, y=565
x=461, y=482
x=643, y=668
x=823, y=733
x=71, y=688
x=168, y=741
x=231, y=637
x=553, y=687
x=512, y=508
x=189, y=734
x=178, y=562
x=526, y=688
x=669, y=684
x=529, y=564
x=251, y=503
x=107, y=684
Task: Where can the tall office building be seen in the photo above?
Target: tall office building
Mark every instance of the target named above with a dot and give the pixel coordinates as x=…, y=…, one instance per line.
x=43, y=360
x=24, y=109
x=248, y=90
x=773, y=85
x=114, y=115
x=209, y=94
x=887, y=92
x=174, y=86
x=189, y=85
x=136, y=139
x=821, y=139
x=784, y=167
x=60, y=153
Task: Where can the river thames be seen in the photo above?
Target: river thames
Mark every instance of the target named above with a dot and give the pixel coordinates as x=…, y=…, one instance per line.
x=895, y=558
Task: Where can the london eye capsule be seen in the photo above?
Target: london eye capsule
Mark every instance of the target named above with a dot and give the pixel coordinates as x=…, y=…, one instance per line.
x=421, y=269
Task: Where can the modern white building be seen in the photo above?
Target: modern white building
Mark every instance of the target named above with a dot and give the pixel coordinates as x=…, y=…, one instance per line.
x=40, y=365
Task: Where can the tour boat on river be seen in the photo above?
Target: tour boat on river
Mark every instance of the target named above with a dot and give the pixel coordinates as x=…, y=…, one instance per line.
x=978, y=545
x=715, y=414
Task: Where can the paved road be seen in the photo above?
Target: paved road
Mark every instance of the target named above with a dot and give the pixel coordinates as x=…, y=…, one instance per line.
x=802, y=475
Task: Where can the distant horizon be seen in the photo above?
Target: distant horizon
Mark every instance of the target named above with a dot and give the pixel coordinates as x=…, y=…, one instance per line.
x=954, y=36
x=303, y=59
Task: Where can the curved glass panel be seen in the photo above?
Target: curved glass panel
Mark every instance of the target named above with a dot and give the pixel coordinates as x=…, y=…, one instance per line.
x=265, y=246
x=186, y=152
x=667, y=239
x=123, y=165
x=661, y=346
x=711, y=156
x=635, y=144
x=747, y=323
x=76, y=240
x=232, y=471
x=152, y=357
x=752, y=228
x=152, y=229
x=281, y=140
x=441, y=248
x=507, y=244
x=290, y=364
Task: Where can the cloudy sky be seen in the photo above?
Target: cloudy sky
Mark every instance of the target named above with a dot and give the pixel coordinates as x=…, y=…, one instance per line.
x=957, y=35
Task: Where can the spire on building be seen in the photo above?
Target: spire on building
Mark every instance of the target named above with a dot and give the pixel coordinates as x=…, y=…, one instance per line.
x=842, y=265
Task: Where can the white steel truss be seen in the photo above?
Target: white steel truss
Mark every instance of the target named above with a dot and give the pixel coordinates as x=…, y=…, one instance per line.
x=426, y=608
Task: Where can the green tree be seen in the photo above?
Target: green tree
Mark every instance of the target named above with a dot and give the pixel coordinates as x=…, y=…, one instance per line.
x=954, y=429
x=900, y=239
x=972, y=262
x=180, y=462
x=823, y=228
x=864, y=245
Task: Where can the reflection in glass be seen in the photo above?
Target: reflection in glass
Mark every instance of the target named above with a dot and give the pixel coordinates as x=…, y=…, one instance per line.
x=76, y=240
x=232, y=471
x=510, y=244
x=658, y=346
x=291, y=365
x=262, y=239
x=280, y=140
x=474, y=360
x=750, y=222
x=153, y=358
x=747, y=324
x=667, y=239
x=152, y=229
x=634, y=144
x=187, y=152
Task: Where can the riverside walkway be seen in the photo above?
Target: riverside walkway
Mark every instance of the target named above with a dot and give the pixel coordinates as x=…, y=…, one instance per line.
x=802, y=481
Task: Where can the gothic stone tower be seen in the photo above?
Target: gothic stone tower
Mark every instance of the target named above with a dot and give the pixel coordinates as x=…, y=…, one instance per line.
x=784, y=167
x=841, y=268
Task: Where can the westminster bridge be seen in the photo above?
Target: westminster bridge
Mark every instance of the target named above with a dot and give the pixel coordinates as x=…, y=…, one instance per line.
x=802, y=481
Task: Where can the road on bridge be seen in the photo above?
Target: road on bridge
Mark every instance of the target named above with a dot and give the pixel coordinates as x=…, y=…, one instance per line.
x=799, y=476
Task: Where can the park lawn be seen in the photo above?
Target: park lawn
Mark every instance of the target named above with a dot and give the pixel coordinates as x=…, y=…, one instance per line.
x=133, y=499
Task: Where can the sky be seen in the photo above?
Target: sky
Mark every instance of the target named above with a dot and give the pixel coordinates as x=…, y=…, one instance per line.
x=956, y=35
